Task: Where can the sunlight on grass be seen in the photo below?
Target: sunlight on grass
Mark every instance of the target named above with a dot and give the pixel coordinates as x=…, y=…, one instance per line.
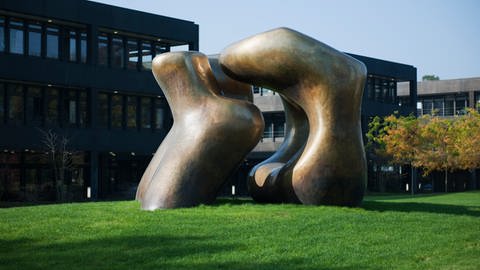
x=397, y=232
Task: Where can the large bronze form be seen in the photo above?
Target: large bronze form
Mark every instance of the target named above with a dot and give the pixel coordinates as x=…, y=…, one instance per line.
x=321, y=86
x=210, y=136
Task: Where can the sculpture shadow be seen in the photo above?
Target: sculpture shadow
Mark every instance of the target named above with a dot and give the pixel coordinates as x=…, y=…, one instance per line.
x=139, y=252
x=383, y=206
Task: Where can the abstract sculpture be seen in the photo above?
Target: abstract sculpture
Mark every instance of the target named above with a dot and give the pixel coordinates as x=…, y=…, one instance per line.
x=210, y=136
x=328, y=86
x=321, y=160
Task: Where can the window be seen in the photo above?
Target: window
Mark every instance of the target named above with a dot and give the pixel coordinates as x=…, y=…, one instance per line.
x=34, y=39
x=52, y=42
x=460, y=105
x=268, y=131
x=159, y=49
x=449, y=106
x=427, y=106
x=16, y=36
x=132, y=47
x=392, y=88
x=2, y=103
x=83, y=109
x=72, y=46
x=146, y=112
x=477, y=101
x=131, y=112
x=117, y=52
x=2, y=34
x=52, y=106
x=147, y=55
x=83, y=47
x=117, y=111
x=103, y=110
x=159, y=114
x=370, y=87
x=70, y=107
x=279, y=129
x=15, y=104
x=103, y=50
x=34, y=105
x=438, y=107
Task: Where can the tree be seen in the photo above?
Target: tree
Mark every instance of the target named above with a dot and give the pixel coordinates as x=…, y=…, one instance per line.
x=432, y=143
x=60, y=158
x=395, y=138
x=430, y=78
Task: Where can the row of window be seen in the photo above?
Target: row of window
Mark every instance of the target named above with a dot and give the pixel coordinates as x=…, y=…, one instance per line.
x=117, y=111
x=274, y=125
x=119, y=51
x=42, y=106
x=33, y=105
x=42, y=39
x=381, y=89
x=443, y=106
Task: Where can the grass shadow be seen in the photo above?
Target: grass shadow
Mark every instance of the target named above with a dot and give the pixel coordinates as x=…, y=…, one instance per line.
x=140, y=252
x=383, y=206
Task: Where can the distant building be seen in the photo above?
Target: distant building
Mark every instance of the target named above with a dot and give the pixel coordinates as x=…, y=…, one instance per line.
x=82, y=70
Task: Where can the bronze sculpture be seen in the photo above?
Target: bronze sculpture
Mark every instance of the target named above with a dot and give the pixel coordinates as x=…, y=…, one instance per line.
x=321, y=160
x=210, y=136
x=328, y=86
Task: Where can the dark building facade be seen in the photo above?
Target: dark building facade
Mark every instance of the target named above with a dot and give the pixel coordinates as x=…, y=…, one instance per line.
x=79, y=71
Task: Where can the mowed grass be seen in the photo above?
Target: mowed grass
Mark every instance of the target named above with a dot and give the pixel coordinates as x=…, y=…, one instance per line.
x=389, y=232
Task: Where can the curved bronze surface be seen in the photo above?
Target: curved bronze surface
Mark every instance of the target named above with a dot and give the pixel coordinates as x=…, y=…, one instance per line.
x=327, y=85
x=209, y=138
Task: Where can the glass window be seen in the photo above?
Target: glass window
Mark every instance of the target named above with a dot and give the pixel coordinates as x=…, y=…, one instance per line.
x=460, y=105
x=103, y=50
x=477, y=101
x=83, y=108
x=34, y=105
x=34, y=39
x=147, y=55
x=2, y=102
x=370, y=87
x=268, y=131
x=72, y=46
x=378, y=90
x=438, y=107
x=52, y=106
x=449, y=106
x=16, y=36
x=2, y=34
x=427, y=106
x=83, y=47
x=15, y=104
x=146, y=112
x=159, y=114
x=70, y=107
x=279, y=129
x=117, y=111
x=117, y=52
x=159, y=49
x=131, y=112
x=132, y=46
x=52, y=42
x=103, y=110
x=392, y=92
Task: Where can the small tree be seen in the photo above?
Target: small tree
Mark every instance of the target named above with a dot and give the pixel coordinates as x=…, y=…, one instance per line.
x=430, y=78
x=60, y=158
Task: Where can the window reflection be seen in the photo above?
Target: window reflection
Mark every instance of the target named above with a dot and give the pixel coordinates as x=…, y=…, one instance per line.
x=72, y=46
x=16, y=36
x=83, y=47
x=131, y=112
x=34, y=105
x=34, y=39
x=132, y=46
x=159, y=113
x=147, y=55
x=15, y=104
x=52, y=42
x=103, y=110
x=103, y=50
x=2, y=34
x=146, y=109
x=52, y=106
x=117, y=52
x=117, y=112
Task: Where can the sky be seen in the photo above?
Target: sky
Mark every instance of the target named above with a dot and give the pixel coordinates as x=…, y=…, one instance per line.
x=438, y=37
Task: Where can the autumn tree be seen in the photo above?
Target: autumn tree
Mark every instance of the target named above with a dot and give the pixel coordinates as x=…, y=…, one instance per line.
x=432, y=143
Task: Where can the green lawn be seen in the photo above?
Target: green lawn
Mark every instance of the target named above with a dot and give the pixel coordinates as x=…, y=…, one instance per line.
x=387, y=232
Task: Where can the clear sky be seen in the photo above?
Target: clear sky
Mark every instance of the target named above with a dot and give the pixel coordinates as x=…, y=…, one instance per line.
x=440, y=37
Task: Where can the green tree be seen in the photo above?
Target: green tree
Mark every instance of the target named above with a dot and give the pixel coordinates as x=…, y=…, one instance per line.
x=430, y=78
